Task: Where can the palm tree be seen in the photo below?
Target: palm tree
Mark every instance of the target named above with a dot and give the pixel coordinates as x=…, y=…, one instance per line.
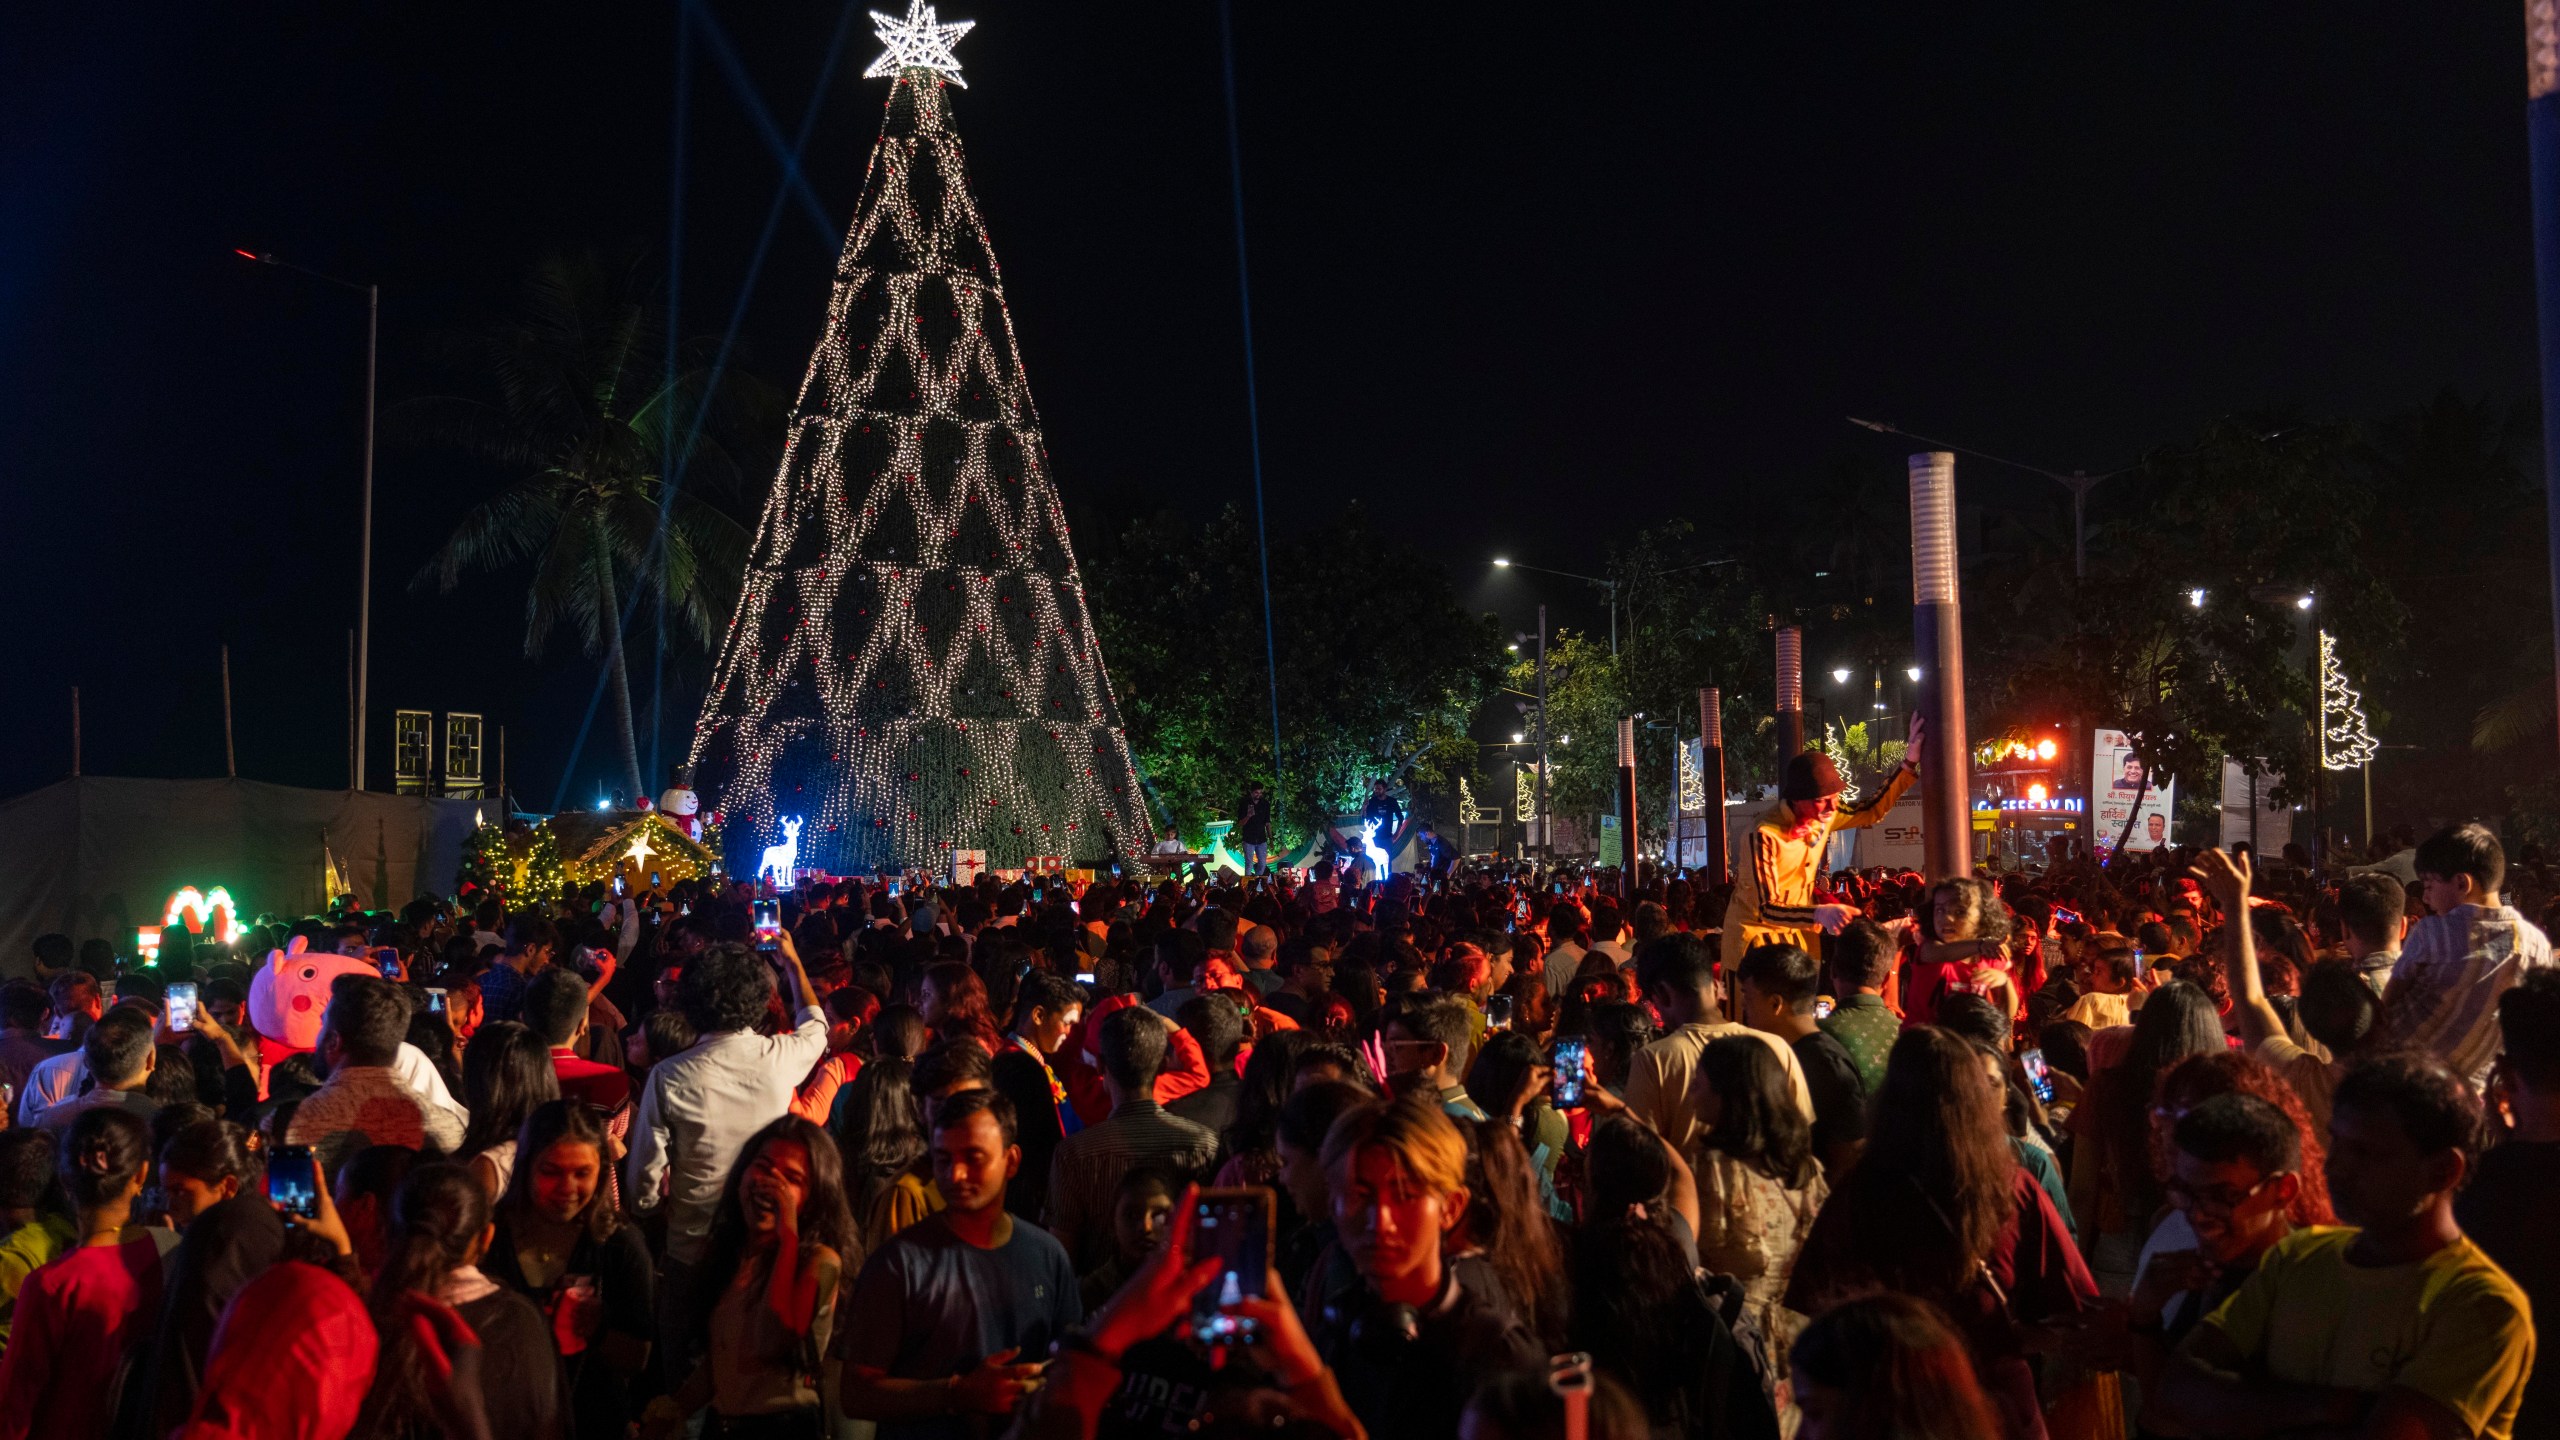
x=584, y=423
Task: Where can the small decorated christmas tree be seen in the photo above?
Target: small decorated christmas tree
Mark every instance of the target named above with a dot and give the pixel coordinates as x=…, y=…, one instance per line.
x=913, y=667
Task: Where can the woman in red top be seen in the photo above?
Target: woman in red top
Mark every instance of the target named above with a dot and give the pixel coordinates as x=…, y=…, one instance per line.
x=1938, y=1207
x=78, y=1316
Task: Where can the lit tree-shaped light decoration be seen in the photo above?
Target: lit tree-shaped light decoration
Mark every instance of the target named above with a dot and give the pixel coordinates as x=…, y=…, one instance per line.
x=1525, y=793
x=1471, y=813
x=913, y=666
x=1839, y=754
x=2345, y=743
x=1693, y=784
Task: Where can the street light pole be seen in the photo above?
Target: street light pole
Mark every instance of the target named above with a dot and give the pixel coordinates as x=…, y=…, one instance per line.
x=1546, y=821
x=1790, y=697
x=1938, y=634
x=1607, y=584
x=1711, y=777
x=364, y=565
x=364, y=560
x=2078, y=482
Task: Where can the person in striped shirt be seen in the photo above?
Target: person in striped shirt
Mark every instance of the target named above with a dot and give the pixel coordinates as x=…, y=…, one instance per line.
x=1773, y=893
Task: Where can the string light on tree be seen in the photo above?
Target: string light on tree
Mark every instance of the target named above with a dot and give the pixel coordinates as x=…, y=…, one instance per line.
x=913, y=668
x=2345, y=742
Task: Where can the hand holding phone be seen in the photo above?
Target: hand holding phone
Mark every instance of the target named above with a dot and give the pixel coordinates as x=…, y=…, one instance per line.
x=293, y=1181
x=1497, y=1012
x=768, y=924
x=1572, y=1062
x=182, y=1007
x=2039, y=1074
x=1232, y=1226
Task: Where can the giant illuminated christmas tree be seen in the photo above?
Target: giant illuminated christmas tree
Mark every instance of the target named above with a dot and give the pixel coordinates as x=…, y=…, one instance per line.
x=913, y=668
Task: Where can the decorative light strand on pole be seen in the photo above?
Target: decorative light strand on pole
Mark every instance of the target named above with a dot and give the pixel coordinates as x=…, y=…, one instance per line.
x=2345, y=742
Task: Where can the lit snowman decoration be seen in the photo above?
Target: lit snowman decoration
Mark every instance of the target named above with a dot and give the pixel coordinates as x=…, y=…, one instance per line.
x=681, y=807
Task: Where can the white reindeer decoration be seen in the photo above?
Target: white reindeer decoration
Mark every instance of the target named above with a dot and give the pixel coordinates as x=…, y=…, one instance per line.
x=784, y=858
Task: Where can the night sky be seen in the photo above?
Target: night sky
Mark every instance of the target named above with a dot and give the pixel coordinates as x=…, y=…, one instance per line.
x=1523, y=277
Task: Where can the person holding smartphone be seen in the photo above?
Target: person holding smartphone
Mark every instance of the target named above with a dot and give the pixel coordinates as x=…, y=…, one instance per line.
x=952, y=1320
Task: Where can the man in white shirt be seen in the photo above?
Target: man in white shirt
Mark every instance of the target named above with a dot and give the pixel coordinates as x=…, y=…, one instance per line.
x=1608, y=934
x=699, y=1109
x=1566, y=935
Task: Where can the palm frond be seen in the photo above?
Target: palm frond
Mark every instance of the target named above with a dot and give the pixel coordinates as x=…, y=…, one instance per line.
x=2517, y=717
x=495, y=533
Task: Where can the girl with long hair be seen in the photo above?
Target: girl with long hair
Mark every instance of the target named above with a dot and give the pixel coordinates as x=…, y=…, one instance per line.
x=1253, y=1156
x=1637, y=1306
x=954, y=1003
x=506, y=1072
x=80, y=1316
x=1507, y=1231
x=439, y=1232
x=1938, y=1207
x=1887, y=1367
x=1759, y=1185
x=562, y=1244
x=881, y=1138
x=2114, y=1192
x=785, y=1242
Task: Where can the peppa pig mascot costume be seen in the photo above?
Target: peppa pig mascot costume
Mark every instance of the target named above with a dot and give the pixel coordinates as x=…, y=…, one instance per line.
x=290, y=993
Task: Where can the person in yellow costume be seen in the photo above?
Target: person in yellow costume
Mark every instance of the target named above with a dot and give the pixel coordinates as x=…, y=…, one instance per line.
x=1775, y=875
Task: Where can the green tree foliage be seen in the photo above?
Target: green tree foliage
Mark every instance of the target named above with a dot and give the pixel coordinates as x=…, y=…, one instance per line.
x=2255, y=514
x=1380, y=669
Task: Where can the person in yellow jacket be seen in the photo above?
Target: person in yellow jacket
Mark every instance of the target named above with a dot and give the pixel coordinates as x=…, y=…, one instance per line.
x=1775, y=876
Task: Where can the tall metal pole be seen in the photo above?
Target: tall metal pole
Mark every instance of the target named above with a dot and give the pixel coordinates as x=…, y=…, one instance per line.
x=351, y=710
x=364, y=565
x=1790, y=708
x=1937, y=630
x=1711, y=775
x=2542, y=130
x=1546, y=821
x=1627, y=813
x=230, y=756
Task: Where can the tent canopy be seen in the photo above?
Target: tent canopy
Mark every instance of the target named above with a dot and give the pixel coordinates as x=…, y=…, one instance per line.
x=98, y=857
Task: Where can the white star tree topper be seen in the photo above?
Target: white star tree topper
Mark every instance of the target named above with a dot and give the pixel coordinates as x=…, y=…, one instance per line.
x=640, y=850
x=918, y=42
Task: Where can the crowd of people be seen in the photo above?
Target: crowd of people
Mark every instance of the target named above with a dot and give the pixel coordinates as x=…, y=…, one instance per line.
x=2171, y=1147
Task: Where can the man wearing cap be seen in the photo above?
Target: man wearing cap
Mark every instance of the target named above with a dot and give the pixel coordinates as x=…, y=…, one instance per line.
x=1773, y=894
